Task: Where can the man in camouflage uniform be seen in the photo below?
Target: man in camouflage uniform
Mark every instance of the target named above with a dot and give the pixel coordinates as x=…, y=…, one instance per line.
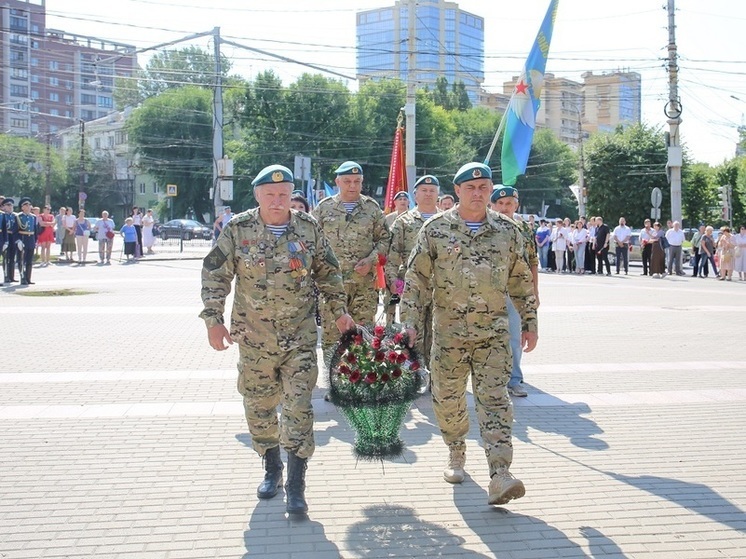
x=276, y=255
x=469, y=260
x=504, y=200
x=403, y=236
x=357, y=232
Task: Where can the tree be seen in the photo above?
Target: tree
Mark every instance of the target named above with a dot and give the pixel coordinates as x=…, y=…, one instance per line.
x=172, y=135
x=24, y=164
x=622, y=168
x=551, y=169
x=727, y=174
x=699, y=195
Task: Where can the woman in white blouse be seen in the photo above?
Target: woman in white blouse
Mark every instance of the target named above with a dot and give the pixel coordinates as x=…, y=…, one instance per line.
x=559, y=244
x=579, y=238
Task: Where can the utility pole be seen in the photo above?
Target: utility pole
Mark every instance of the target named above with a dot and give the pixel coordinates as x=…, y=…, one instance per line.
x=672, y=110
x=48, y=178
x=82, y=164
x=217, y=123
x=409, y=107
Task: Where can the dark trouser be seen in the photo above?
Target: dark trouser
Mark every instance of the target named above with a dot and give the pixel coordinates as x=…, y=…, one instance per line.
x=622, y=255
x=703, y=259
x=647, y=251
x=589, y=258
x=695, y=260
x=9, y=260
x=26, y=262
x=602, y=256
x=138, y=230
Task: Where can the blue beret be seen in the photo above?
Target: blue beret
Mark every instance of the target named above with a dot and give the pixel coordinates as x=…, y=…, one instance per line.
x=297, y=193
x=427, y=179
x=501, y=191
x=273, y=174
x=401, y=194
x=24, y=201
x=472, y=171
x=9, y=201
x=349, y=168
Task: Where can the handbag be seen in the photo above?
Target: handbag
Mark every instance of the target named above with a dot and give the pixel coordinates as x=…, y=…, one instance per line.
x=110, y=234
x=664, y=243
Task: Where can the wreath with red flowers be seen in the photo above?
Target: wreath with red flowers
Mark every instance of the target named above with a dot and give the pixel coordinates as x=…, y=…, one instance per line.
x=373, y=380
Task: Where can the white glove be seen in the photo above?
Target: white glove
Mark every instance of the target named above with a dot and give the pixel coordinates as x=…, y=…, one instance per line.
x=19, y=245
x=5, y=247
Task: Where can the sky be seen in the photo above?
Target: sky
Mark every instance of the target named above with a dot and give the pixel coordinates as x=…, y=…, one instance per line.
x=589, y=35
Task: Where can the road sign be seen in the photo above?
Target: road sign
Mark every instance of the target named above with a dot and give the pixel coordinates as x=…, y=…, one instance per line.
x=171, y=190
x=656, y=197
x=302, y=169
x=655, y=213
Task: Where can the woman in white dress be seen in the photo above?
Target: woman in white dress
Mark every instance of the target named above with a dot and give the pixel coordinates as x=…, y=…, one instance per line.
x=740, y=265
x=148, y=239
x=559, y=244
x=579, y=238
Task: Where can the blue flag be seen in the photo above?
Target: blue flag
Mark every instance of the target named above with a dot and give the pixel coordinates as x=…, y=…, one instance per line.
x=521, y=112
x=311, y=193
x=330, y=190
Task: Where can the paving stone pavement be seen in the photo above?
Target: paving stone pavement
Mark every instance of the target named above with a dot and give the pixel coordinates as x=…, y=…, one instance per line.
x=123, y=435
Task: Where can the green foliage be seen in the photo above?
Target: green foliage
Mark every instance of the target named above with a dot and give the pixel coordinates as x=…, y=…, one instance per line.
x=622, y=168
x=454, y=99
x=173, y=137
x=24, y=164
x=699, y=198
x=733, y=173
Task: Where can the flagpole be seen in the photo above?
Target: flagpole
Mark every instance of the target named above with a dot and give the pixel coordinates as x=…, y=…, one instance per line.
x=497, y=135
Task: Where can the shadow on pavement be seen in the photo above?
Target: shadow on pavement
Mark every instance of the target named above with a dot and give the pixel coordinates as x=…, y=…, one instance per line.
x=601, y=546
x=395, y=531
x=509, y=534
x=272, y=531
x=695, y=497
x=566, y=419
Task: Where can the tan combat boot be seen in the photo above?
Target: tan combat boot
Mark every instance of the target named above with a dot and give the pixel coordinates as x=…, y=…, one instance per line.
x=454, y=472
x=504, y=487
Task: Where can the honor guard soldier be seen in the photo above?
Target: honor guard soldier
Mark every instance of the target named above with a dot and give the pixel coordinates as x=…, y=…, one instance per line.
x=8, y=228
x=25, y=241
x=505, y=200
x=356, y=229
x=403, y=236
x=276, y=255
x=468, y=260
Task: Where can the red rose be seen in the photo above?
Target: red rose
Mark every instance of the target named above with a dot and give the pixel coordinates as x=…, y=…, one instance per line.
x=401, y=358
x=385, y=377
x=379, y=331
x=370, y=378
x=344, y=370
x=351, y=358
x=414, y=366
x=398, y=338
x=376, y=343
x=355, y=376
x=358, y=339
x=392, y=356
x=396, y=373
x=380, y=356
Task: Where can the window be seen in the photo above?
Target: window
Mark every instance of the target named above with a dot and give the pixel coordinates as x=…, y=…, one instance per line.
x=155, y=188
x=54, y=81
x=34, y=94
x=111, y=142
x=86, y=99
x=54, y=96
x=68, y=99
x=34, y=28
x=69, y=114
x=120, y=137
x=87, y=115
x=106, y=102
x=68, y=84
x=18, y=123
x=34, y=78
x=34, y=61
x=142, y=188
x=97, y=143
x=18, y=90
x=54, y=112
x=53, y=65
x=17, y=55
x=19, y=73
x=18, y=39
x=18, y=23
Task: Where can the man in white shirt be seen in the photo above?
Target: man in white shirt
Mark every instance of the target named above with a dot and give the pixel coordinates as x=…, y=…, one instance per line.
x=621, y=235
x=675, y=238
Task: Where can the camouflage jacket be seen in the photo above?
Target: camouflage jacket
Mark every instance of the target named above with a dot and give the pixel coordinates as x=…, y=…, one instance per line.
x=403, y=236
x=471, y=274
x=529, y=240
x=355, y=236
x=274, y=279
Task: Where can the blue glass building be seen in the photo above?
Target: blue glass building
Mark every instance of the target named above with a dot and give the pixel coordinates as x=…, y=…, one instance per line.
x=449, y=43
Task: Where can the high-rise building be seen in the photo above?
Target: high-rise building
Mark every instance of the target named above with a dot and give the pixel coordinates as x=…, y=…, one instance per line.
x=50, y=78
x=449, y=42
x=610, y=100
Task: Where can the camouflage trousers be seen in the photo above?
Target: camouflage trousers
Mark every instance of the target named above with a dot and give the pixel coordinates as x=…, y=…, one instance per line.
x=362, y=303
x=488, y=362
x=269, y=376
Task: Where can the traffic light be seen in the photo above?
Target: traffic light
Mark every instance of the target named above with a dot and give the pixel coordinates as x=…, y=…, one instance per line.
x=724, y=195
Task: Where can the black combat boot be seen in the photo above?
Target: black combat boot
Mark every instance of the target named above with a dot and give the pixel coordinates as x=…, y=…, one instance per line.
x=273, y=476
x=295, y=486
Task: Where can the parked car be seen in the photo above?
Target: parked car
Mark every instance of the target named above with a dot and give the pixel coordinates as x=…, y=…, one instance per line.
x=92, y=221
x=186, y=229
x=635, y=250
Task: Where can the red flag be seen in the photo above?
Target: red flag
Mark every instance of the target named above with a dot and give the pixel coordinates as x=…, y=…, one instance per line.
x=397, y=171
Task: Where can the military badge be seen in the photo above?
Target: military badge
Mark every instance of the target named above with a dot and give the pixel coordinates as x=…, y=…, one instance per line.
x=476, y=173
x=277, y=176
